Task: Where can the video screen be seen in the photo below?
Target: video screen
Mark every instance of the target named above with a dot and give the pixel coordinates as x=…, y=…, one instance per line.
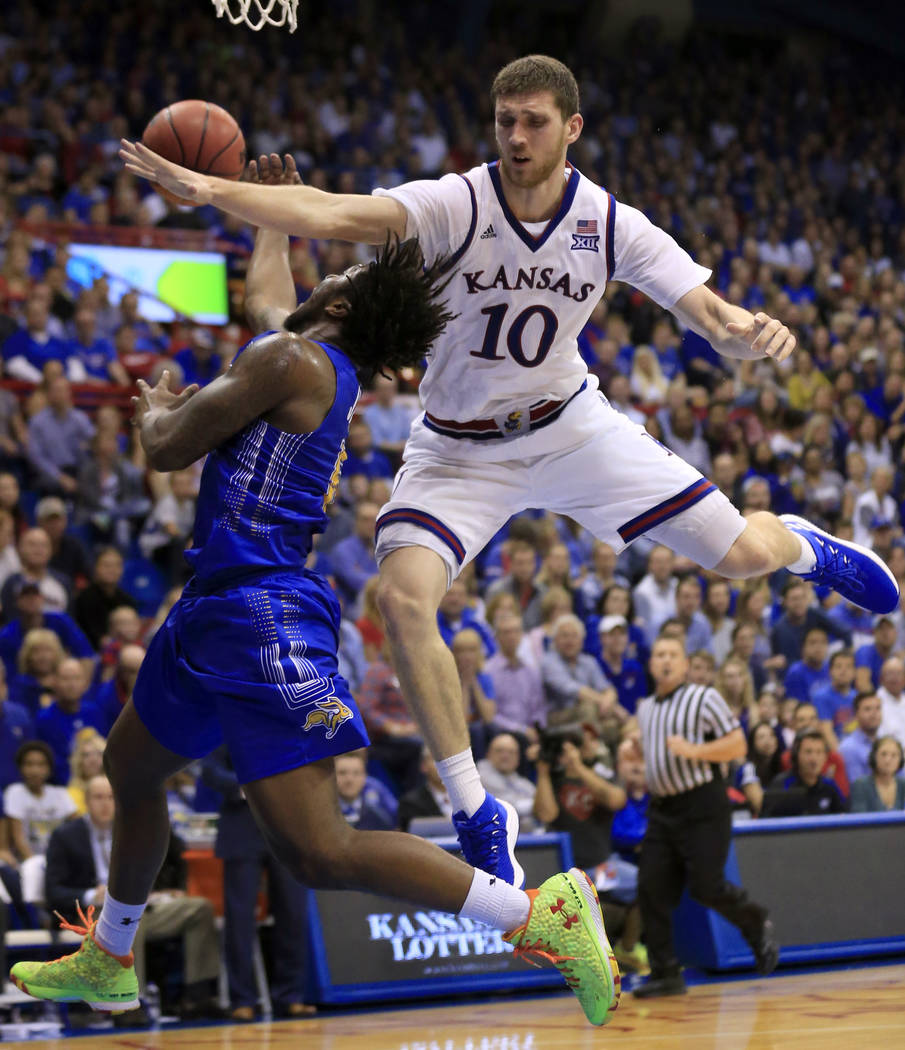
x=171, y=284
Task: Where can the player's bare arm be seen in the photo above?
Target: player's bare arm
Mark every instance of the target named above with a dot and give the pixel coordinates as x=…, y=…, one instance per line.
x=284, y=377
x=269, y=288
x=300, y=210
x=731, y=330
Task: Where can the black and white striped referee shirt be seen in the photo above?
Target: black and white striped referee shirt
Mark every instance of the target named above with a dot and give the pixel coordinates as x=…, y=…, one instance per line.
x=698, y=713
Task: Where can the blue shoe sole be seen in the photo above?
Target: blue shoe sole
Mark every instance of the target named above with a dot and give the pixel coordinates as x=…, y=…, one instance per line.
x=890, y=600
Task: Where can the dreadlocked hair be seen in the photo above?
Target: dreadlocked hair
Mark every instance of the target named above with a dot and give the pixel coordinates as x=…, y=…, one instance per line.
x=394, y=310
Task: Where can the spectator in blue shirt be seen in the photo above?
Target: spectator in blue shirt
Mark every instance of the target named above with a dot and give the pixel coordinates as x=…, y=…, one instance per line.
x=834, y=701
x=388, y=419
x=70, y=711
x=869, y=659
x=80, y=199
x=352, y=560
x=477, y=689
x=666, y=344
x=812, y=672
x=110, y=697
x=698, y=632
x=28, y=350
x=630, y=823
x=360, y=808
x=796, y=288
x=627, y=676
x=97, y=354
x=58, y=438
x=855, y=748
x=16, y=726
x=199, y=361
x=454, y=614
x=799, y=616
x=149, y=337
x=362, y=457
x=853, y=619
x=29, y=614
x=350, y=655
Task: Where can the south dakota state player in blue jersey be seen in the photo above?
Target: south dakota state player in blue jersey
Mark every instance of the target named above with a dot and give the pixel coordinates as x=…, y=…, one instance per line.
x=248, y=654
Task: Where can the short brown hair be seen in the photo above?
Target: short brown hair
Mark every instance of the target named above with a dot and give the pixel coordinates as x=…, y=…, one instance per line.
x=537, y=73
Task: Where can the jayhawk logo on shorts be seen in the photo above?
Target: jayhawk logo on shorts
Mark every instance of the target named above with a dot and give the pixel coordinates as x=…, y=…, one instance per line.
x=330, y=714
x=513, y=421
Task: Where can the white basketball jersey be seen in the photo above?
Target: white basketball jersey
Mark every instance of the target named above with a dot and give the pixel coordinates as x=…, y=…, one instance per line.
x=522, y=297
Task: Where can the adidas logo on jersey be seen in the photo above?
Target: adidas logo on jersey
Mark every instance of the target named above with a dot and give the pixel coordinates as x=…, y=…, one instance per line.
x=488, y=233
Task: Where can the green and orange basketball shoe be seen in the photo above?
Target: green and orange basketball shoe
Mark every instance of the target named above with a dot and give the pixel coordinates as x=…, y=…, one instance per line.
x=565, y=927
x=91, y=975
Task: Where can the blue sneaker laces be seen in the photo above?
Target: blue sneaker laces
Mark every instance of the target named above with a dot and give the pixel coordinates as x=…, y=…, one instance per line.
x=834, y=561
x=482, y=848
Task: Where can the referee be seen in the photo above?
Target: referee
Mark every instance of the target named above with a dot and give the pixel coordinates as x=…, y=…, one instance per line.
x=685, y=729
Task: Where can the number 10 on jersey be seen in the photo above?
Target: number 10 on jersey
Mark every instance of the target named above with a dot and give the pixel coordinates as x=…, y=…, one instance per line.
x=496, y=315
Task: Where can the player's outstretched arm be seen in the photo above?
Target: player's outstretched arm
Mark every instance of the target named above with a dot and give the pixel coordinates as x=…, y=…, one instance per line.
x=731, y=330
x=300, y=210
x=269, y=288
x=178, y=429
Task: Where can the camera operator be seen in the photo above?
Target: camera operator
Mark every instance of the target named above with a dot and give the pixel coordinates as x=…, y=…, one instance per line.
x=575, y=791
x=685, y=730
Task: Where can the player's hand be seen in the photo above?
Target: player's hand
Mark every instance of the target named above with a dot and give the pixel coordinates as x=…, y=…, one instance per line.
x=271, y=171
x=681, y=747
x=149, y=165
x=765, y=335
x=160, y=397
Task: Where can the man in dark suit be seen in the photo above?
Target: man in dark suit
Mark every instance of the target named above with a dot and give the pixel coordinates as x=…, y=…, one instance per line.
x=244, y=853
x=78, y=860
x=429, y=799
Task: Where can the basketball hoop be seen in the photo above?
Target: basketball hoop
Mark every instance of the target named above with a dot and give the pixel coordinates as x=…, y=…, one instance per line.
x=258, y=13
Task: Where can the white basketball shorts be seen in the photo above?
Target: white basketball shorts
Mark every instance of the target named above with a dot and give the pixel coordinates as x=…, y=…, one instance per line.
x=592, y=464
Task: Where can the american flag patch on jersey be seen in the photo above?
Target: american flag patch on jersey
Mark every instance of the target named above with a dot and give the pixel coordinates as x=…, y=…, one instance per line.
x=585, y=237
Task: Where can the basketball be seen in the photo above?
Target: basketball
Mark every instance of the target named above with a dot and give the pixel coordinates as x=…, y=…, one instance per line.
x=198, y=135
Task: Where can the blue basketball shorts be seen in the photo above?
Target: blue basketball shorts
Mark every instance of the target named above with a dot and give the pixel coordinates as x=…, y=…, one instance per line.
x=254, y=666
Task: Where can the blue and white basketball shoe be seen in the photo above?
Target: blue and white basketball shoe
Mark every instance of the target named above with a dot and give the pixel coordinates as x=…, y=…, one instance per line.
x=855, y=572
x=488, y=840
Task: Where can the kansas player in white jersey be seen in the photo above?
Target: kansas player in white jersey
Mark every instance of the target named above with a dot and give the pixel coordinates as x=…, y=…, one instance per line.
x=512, y=420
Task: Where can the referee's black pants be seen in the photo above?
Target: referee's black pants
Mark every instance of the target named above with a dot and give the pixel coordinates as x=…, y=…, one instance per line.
x=686, y=844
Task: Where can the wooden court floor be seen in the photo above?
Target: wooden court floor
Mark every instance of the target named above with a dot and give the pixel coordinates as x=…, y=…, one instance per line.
x=858, y=1009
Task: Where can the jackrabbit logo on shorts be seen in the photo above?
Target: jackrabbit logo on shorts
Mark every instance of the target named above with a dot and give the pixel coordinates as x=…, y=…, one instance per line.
x=329, y=714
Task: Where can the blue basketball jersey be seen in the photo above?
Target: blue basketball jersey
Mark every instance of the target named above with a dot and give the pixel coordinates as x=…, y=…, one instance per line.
x=264, y=492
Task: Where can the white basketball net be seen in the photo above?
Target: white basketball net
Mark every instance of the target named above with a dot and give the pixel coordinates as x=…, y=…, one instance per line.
x=259, y=13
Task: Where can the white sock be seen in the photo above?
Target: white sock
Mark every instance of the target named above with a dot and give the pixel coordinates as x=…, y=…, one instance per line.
x=806, y=560
x=118, y=925
x=496, y=903
x=463, y=782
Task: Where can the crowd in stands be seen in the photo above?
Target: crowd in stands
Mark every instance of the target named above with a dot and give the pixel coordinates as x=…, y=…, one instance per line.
x=787, y=185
